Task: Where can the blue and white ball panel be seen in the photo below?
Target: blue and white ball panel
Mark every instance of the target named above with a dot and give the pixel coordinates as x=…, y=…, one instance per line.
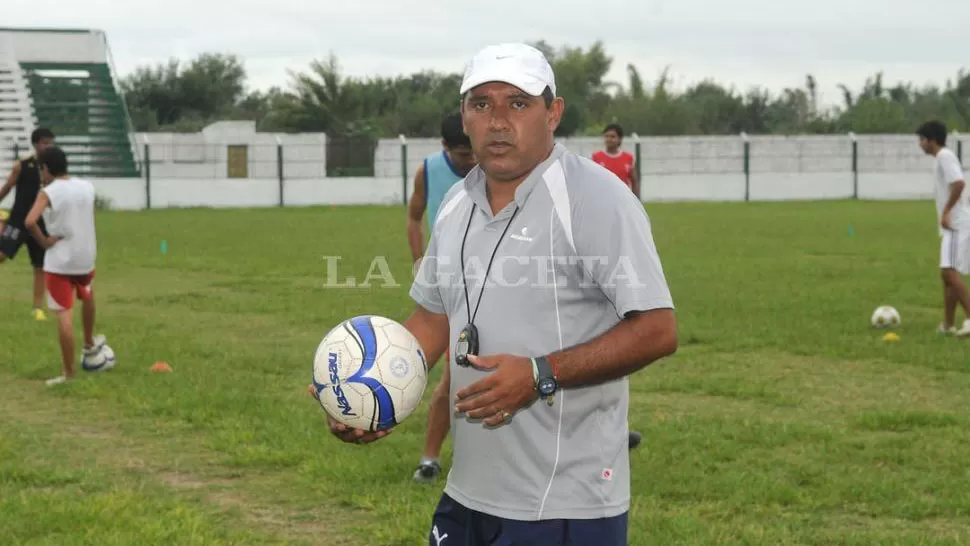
x=338, y=357
x=365, y=374
x=403, y=368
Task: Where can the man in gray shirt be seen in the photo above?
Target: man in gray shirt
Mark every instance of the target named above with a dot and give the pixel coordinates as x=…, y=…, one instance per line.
x=542, y=269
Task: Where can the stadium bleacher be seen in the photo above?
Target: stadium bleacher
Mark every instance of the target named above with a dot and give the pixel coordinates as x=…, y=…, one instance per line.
x=63, y=79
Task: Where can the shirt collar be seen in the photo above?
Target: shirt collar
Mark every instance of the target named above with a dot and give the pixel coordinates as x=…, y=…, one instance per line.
x=475, y=181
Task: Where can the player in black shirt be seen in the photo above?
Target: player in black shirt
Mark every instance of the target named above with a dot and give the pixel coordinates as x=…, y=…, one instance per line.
x=26, y=178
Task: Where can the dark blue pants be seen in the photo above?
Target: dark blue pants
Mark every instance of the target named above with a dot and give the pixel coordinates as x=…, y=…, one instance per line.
x=455, y=525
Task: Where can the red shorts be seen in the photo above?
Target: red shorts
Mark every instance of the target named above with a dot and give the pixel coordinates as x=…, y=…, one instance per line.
x=61, y=289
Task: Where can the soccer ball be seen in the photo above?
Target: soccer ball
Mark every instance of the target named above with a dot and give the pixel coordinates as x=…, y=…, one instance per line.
x=369, y=373
x=885, y=316
x=103, y=359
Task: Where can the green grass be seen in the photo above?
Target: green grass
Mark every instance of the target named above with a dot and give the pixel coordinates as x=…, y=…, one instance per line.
x=783, y=418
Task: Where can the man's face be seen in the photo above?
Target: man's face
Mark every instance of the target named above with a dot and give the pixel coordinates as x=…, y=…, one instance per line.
x=611, y=140
x=926, y=145
x=463, y=158
x=43, y=144
x=510, y=131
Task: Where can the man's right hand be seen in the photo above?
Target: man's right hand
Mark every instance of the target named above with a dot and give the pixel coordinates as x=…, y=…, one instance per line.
x=354, y=435
x=945, y=221
x=349, y=434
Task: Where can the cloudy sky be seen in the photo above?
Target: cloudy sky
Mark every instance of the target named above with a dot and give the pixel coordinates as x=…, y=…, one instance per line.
x=769, y=43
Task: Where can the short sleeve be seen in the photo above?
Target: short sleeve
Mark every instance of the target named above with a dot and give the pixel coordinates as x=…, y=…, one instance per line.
x=425, y=290
x=54, y=195
x=952, y=171
x=615, y=243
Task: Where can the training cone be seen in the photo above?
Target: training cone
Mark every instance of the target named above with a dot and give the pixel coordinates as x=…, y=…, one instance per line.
x=161, y=367
x=891, y=336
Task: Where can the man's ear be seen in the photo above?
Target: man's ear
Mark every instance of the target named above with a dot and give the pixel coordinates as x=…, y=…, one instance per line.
x=556, y=109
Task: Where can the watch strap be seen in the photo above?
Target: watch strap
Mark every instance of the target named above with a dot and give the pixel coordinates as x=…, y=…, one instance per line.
x=543, y=369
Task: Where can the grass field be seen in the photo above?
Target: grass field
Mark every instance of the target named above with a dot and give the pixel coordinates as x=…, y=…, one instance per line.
x=783, y=418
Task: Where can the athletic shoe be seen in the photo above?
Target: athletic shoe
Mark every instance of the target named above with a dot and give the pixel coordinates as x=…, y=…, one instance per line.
x=941, y=329
x=93, y=349
x=57, y=380
x=98, y=343
x=427, y=472
x=964, y=330
x=634, y=439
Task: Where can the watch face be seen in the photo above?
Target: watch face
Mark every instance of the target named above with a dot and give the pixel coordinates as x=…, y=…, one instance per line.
x=546, y=386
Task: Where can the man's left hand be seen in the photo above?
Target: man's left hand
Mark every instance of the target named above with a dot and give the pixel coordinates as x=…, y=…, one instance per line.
x=945, y=221
x=496, y=398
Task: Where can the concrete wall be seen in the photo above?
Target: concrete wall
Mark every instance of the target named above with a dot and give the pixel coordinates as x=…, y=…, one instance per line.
x=191, y=170
x=130, y=193
x=203, y=155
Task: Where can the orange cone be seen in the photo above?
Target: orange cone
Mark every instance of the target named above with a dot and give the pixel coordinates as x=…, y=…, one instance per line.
x=161, y=366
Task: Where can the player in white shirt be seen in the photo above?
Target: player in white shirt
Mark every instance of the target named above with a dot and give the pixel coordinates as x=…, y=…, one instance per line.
x=953, y=215
x=66, y=203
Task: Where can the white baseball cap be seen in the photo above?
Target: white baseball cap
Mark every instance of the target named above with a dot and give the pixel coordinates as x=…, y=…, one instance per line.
x=520, y=65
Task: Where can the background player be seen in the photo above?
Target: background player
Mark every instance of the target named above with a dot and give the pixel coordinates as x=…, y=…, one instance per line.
x=621, y=163
x=26, y=177
x=68, y=203
x=439, y=172
x=953, y=215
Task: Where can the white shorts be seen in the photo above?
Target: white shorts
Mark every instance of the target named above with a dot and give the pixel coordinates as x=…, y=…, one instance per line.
x=955, y=250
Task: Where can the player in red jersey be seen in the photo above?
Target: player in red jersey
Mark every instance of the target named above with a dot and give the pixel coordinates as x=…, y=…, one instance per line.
x=621, y=163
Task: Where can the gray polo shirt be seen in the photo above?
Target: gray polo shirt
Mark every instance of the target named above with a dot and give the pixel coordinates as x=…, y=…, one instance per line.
x=578, y=255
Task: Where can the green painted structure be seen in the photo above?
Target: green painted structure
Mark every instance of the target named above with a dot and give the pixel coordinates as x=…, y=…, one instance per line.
x=63, y=79
x=80, y=104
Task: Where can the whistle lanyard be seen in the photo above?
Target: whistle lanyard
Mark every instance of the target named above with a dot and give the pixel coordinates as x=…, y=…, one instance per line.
x=464, y=281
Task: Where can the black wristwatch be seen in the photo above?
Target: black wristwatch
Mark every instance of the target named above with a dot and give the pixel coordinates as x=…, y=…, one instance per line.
x=546, y=383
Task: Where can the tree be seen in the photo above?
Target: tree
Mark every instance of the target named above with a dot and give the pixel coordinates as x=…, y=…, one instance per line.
x=207, y=89
x=170, y=96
